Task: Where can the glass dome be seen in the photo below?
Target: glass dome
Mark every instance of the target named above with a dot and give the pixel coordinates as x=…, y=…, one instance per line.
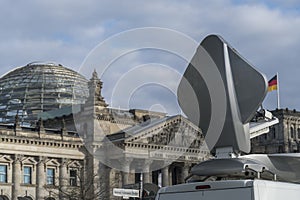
x=39, y=87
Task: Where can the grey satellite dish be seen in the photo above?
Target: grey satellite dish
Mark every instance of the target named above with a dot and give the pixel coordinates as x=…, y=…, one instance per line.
x=220, y=92
x=285, y=166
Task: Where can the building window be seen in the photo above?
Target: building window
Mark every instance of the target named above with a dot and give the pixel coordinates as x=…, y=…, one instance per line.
x=292, y=132
x=50, y=176
x=274, y=132
x=280, y=149
x=27, y=173
x=3, y=173
x=73, y=177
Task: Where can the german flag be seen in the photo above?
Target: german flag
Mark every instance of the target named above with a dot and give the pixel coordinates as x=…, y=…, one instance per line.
x=272, y=84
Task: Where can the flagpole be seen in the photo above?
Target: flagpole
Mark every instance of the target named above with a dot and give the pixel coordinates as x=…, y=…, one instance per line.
x=278, y=99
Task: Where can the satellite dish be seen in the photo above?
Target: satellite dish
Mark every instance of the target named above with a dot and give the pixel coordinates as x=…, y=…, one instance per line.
x=220, y=92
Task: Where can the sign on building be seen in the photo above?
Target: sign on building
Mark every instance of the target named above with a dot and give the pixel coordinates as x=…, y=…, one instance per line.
x=126, y=193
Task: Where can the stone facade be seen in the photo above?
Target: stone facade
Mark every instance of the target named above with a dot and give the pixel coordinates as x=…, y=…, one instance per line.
x=56, y=158
x=283, y=137
x=26, y=157
x=63, y=152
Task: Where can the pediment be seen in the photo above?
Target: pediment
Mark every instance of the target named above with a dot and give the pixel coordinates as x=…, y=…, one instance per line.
x=29, y=160
x=175, y=131
x=74, y=164
x=52, y=162
x=6, y=159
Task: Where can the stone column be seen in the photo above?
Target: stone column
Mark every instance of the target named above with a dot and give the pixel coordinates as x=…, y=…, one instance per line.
x=185, y=171
x=125, y=170
x=165, y=176
x=103, y=185
x=147, y=172
x=285, y=128
x=146, y=177
x=63, y=177
x=16, y=180
x=40, y=178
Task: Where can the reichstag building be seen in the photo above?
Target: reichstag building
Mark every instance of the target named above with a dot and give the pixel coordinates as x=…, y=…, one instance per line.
x=50, y=147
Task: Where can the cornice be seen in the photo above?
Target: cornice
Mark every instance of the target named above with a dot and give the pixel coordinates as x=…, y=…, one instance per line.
x=40, y=142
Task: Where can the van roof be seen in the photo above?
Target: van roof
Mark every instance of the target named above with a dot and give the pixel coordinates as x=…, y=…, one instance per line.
x=211, y=185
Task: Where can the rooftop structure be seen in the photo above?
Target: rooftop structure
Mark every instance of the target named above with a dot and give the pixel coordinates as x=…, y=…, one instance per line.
x=38, y=87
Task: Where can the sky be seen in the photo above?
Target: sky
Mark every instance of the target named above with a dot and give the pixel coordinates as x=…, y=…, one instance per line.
x=266, y=33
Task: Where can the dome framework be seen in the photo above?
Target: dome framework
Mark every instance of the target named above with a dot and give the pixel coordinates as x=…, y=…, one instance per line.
x=39, y=87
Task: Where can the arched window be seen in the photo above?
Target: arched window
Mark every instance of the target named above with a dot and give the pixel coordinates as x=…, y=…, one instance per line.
x=272, y=130
x=292, y=132
x=50, y=198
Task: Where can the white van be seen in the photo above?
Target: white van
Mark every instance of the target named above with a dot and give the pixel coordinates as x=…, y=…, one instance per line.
x=231, y=190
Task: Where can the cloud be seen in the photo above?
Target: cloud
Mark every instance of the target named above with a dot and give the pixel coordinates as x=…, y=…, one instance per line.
x=265, y=32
